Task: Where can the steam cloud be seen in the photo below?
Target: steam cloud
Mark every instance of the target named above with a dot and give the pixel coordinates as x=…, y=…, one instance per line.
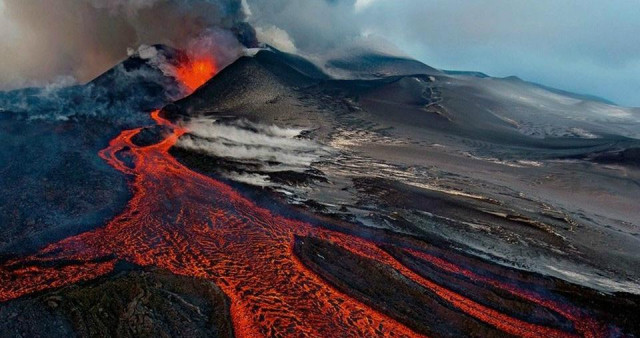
x=266, y=149
x=245, y=141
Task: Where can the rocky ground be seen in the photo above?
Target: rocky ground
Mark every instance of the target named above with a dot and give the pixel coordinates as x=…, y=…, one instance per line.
x=131, y=302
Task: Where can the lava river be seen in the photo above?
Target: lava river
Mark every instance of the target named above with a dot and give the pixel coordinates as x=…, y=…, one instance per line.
x=191, y=224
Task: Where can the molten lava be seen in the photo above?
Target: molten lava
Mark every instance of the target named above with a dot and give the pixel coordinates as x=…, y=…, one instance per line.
x=193, y=73
x=191, y=224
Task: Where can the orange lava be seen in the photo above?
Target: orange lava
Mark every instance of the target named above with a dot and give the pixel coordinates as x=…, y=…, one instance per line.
x=193, y=225
x=194, y=73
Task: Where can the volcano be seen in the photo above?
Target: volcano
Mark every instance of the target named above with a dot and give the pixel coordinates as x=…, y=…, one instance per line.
x=364, y=196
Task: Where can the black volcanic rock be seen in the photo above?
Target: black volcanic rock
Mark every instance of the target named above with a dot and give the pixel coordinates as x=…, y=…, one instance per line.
x=150, y=135
x=53, y=184
x=135, y=302
x=630, y=157
x=386, y=290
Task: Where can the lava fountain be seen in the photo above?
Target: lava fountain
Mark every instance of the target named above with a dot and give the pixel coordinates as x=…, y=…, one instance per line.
x=191, y=224
x=195, y=71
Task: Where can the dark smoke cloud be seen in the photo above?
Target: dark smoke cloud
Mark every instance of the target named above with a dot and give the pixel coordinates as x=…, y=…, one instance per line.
x=56, y=40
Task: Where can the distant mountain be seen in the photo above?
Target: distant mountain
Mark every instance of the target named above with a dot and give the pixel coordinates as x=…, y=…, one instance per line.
x=466, y=73
x=368, y=65
x=585, y=97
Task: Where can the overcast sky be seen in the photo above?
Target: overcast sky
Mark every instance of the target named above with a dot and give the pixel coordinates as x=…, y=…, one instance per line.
x=585, y=46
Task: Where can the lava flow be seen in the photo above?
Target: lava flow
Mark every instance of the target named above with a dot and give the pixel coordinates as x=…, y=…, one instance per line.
x=191, y=224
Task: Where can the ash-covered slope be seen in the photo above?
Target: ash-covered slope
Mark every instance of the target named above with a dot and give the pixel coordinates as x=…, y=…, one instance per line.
x=504, y=169
x=500, y=118
x=491, y=117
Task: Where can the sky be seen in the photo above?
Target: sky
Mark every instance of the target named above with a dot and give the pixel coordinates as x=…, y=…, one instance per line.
x=584, y=46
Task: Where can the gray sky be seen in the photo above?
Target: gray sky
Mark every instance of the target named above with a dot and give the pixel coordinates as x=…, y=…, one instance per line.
x=585, y=46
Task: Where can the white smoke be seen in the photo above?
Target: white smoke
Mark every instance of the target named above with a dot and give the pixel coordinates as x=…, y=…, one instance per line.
x=257, y=180
x=276, y=37
x=243, y=132
x=266, y=148
x=274, y=147
x=246, y=10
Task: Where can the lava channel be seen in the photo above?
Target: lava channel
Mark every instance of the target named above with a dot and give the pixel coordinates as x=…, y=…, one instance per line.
x=193, y=225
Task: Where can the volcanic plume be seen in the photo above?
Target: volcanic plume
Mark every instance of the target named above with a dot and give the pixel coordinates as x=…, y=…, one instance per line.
x=81, y=39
